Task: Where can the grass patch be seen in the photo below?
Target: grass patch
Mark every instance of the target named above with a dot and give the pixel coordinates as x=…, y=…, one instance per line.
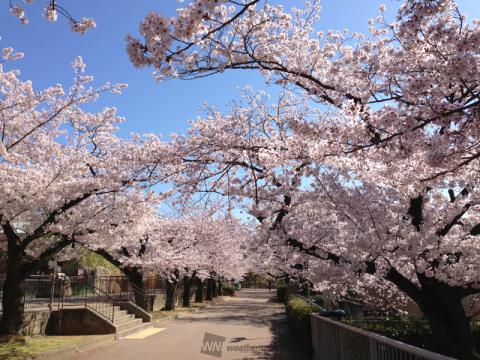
x=178, y=310
x=29, y=347
x=160, y=314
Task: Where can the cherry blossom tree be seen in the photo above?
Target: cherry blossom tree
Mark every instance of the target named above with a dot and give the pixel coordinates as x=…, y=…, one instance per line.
x=65, y=176
x=354, y=222
x=392, y=149
x=194, y=245
x=415, y=75
x=197, y=246
x=50, y=12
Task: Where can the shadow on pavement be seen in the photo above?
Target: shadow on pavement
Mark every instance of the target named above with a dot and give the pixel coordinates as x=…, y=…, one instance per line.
x=243, y=311
x=283, y=346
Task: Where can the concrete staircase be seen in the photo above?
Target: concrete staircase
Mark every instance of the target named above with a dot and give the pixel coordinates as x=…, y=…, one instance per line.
x=126, y=323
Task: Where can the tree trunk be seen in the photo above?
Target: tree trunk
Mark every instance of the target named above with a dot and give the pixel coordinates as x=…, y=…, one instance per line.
x=210, y=284
x=135, y=278
x=214, y=288
x=13, y=297
x=442, y=306
x=450, y=327
x=141, y=299
x=220, y=287
x=451, y=332
x=199, y=291
x=18, y=268
x=170, y=294
x=187, y=285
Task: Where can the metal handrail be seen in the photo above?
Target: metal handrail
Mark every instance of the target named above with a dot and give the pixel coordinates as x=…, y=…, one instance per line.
x=331, y=338
x=139, y=293
x=124, y=290
x=337, y=313
x=51, y=292
x=104, y=304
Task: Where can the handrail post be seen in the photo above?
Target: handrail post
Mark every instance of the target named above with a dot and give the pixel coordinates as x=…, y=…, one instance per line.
x=372, y=349
x=53, y=292
x=24, y=293
x=60, y=301
x=342, y=343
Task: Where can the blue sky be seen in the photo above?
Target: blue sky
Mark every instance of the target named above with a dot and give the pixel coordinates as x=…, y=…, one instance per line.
x=149, y=106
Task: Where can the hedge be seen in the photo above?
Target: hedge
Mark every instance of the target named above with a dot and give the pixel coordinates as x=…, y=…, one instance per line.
x=298, y=317
x=228, y=291
x=318, y=299
x=414, y=331
x=282, y=293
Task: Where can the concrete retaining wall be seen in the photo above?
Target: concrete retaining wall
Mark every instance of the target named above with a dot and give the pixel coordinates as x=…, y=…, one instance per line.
x=35, y=323
x=157, y=301
x=78, y=322
x=65, y=322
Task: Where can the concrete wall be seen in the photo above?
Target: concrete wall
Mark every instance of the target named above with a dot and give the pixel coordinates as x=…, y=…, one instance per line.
x=78, y=322
x=65, y=322
x=179, y=296
x=158, y=302
x=193, y=290
x=35, y=323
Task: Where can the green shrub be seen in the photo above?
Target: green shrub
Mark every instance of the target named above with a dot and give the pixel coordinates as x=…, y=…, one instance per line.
x=318, y=299
x=412, y=331
x=282, y=293
x=298, y=318
x=228, y=291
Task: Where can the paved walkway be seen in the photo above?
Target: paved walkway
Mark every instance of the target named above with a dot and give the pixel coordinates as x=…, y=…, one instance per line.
x=249, y=326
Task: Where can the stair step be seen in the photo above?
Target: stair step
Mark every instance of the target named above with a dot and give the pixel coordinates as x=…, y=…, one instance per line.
x=133, y=330
x=125, y=322
x=129, y=324
x=123, y=319
x=103, y=305
x=120, y=313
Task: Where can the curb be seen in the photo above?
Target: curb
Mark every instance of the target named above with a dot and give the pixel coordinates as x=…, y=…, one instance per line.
x=73, y=349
